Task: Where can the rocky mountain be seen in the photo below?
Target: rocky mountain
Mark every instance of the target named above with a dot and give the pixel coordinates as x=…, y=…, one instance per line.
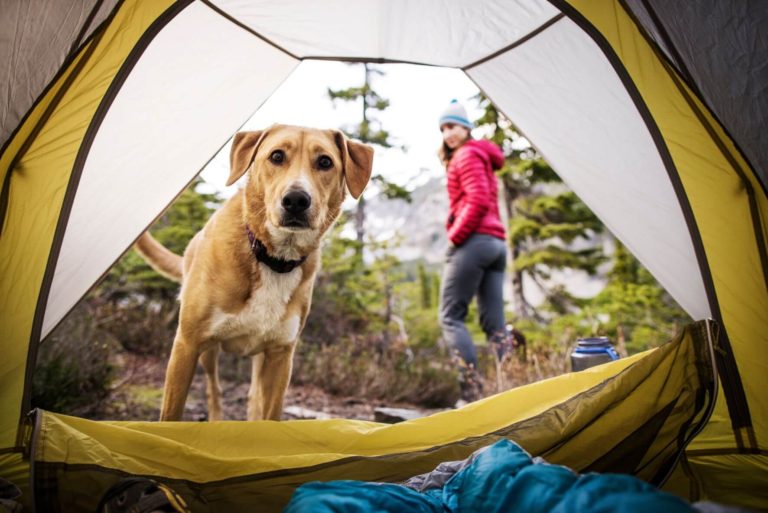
x=420, y=224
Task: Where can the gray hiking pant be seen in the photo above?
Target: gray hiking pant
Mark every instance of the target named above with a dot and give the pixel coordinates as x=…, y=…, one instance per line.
x=475, y=267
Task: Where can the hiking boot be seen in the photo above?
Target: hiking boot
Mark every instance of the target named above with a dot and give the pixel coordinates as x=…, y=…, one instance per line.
x=141, y=495
x=507, y=341
x=502, y=343
x=470, y=384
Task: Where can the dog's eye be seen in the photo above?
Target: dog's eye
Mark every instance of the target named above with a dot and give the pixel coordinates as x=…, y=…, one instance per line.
x=277, y=157
x=324, y=162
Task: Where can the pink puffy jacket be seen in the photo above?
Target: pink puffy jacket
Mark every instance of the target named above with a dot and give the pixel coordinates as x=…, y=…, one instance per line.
x=472, y=192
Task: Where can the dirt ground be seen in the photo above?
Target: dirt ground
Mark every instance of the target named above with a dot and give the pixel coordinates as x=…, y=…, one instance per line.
x=137, y=394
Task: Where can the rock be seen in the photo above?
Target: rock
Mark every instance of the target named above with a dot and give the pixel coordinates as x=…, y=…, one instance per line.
x=395, y=415
x=297, y=412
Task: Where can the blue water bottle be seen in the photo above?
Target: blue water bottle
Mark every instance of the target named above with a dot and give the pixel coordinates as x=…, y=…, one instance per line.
x=592, y=351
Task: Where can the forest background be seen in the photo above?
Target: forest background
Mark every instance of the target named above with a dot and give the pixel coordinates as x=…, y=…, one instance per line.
x=372, y=334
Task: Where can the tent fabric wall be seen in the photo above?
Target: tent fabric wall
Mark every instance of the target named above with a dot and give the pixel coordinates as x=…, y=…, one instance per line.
x=428, y=32
x=708, y=42
x=39, y=180
x=37, y=37
x=680, y=189
x=633, y=415
x=711, y=173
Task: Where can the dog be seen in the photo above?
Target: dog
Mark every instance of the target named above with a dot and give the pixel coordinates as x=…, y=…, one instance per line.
x=247, y=276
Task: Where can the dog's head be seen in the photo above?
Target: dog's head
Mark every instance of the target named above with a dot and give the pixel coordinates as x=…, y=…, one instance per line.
x=296, y=182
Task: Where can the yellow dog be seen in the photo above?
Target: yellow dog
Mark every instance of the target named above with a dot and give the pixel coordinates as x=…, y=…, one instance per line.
x=247, y=276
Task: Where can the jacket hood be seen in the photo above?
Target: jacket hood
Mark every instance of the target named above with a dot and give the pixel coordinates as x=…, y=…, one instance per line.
x=494, y=153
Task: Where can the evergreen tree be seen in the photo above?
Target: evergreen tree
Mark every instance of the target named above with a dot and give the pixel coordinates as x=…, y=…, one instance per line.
x=352, y=296
x=640, y=313
x=545, y=218
x=369, y=130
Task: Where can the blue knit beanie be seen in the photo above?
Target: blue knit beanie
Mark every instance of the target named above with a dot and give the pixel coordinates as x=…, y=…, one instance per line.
x=456, y=114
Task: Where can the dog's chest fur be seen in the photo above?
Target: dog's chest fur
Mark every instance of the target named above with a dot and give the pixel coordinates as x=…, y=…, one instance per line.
x=261, y=321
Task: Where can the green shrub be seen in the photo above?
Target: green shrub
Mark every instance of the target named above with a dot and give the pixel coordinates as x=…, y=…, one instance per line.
x=423, y=328
x=74, y=370
x=357, y=367
x=141, y=324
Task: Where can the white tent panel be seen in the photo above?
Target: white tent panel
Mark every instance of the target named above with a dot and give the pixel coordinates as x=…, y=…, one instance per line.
x=437, y=32
x=562, y=92
x=200, y=77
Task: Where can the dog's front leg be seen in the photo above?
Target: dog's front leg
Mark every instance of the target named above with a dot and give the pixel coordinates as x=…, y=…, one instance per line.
x=255, y=402
x=275, y=377
x=178, y=377
x=210, y=362
x=270, y=375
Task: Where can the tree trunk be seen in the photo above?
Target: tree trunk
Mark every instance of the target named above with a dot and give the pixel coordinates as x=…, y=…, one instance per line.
x=519, y=304
x=360, y=211
x=387, y=313
x=360, y=224
x=621, y=341
x=424, y=288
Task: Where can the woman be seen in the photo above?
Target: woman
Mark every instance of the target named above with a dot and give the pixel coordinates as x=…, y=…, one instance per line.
x=477, y=254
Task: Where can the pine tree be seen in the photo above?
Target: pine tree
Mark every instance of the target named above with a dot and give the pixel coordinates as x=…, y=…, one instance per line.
x=369, y=130
x=544, y=218
x=640, y=313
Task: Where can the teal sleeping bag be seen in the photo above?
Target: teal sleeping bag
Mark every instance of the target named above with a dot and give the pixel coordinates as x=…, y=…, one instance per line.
x=498, y=478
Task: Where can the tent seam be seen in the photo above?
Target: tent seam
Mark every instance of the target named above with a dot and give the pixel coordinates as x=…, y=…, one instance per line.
x=36, y=322
x=371, y=60
x=530, y=35
x=739, y=411
x=86, y=24
x=676, y=59
x=87, y=50
x=62, y=69
x=245, y=27
x=687, y=77
x=727, y=451
x=116, y=84
x=754, y=210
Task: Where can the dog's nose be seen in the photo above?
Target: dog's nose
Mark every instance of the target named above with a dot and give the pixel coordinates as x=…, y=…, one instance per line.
x=296, y=202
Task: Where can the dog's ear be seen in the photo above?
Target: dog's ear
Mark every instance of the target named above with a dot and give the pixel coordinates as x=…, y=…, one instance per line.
x=357, y=159
x=244, y=146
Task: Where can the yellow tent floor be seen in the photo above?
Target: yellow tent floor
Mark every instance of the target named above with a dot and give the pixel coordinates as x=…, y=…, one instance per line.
x=634, y=415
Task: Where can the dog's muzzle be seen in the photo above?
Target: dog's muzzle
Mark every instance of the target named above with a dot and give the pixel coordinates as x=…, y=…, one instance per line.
x=295, y=209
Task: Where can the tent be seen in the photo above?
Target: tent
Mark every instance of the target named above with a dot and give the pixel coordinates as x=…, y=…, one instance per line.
x=653, y=112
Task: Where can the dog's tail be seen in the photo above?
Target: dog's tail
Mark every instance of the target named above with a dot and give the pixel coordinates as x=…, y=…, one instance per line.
x=159, y=258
